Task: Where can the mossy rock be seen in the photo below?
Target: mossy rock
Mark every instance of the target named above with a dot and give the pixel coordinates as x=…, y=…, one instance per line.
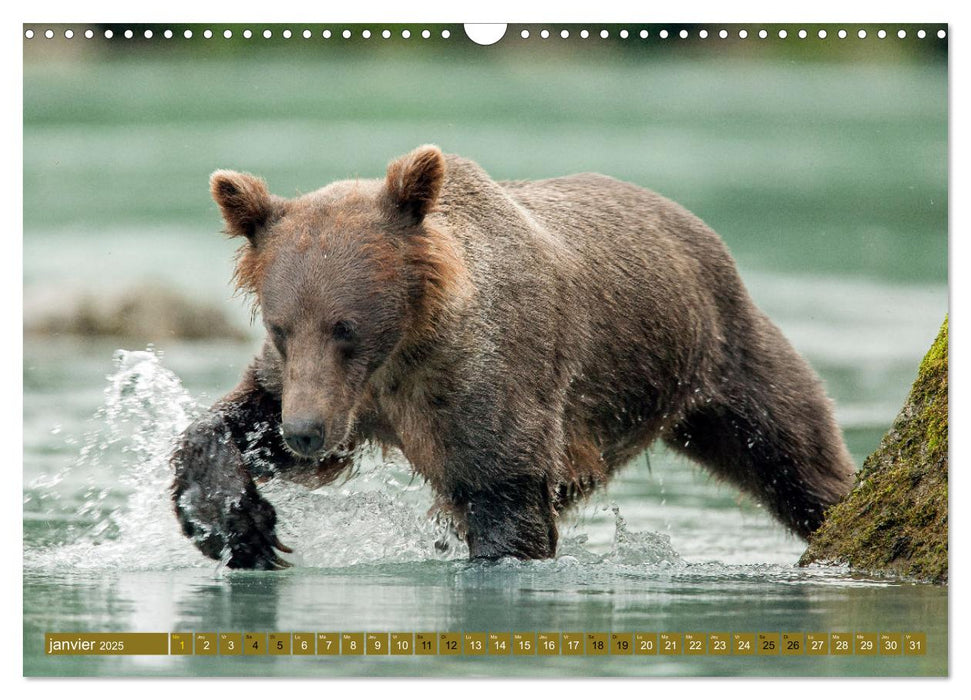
x=895, y=519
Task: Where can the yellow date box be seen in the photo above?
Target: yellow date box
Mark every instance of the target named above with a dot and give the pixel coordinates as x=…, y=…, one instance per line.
x=475, y=643
x=694, y=644
x=254, y=643
x=817, y=643
x=328, y=644
x=426, y=643
x=865, y=643
x=500, y=644
x=548, y=643
x=841, y=644
x=180, y=643
x=719, y=643
x=743, y=644
x=402, y=643
x=449, y=644
x=303, y=643
x=891, y=643
x=793, y=644
x=206, y=643
x=597, y=643
x=572, y=644
x=524, y=643
x=278, y=643
x=915, y=643
x=622, y=643
x=669, y=643
x=352, y=644
x=230, y=644
x=376, y=643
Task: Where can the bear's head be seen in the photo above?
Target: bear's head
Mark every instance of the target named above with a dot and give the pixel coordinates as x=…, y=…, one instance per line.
x=345, y=278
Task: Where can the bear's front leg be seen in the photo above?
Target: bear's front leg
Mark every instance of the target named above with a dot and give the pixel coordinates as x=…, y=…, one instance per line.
x=513, y=517
x=215, y=498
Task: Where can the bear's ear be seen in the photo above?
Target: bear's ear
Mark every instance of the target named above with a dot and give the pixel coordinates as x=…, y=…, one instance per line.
x=243, y=200
x=414, y=182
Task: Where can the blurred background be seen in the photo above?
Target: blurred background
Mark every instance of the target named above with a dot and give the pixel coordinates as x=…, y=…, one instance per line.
x=822, y=162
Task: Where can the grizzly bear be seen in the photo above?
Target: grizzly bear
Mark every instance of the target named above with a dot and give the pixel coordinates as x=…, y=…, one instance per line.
x=518, y=342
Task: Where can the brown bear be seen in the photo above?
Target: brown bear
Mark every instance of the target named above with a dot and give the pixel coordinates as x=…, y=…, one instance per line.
x=518, y=342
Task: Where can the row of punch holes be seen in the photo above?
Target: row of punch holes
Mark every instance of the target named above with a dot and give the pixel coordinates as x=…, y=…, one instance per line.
x=487, y=37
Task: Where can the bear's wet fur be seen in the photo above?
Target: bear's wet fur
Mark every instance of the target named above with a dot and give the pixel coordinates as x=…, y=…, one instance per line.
x=519, y=342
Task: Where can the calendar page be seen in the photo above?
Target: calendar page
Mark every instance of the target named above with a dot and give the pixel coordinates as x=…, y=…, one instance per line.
x=518, y=350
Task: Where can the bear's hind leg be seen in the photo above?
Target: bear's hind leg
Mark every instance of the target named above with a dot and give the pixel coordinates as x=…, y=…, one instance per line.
x=787, y=454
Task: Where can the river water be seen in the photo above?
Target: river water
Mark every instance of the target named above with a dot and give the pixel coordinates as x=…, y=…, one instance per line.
x=828, y=181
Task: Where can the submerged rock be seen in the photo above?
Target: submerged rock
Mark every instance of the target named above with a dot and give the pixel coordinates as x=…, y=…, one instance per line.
x=147, y=313
x=895, y=519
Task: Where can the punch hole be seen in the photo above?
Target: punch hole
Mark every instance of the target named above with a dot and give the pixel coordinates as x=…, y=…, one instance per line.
x=366, y=34
x=564, y=34
x=446, y=34
x=723, y=34
x=326, y=34
x=703, y=33
x=783, y=33
x=644, y=34
x=861, y=33
x=49, y=34
x=584, y=34
x=287, y=34
x=68, y=34
x=921, y=34
x=881, y=34
x=227, y=34
x=545, y=34
x=663, y=34
x=803, y=33
x=684, y=33
x=624, y=34
x=742, y=34
x=129, y=33
x=901, y=34
x=267, y=34
x=425, y=34
x=346, y=33
x=89, y=34
x=187, y=33
x=841, y=33
x=763, y=34
x=207, y=34
x=821, y=33
x=941, y=34
x=524, y=34
x=109, y=33
x=148, y=34
x=386, y=34
x=247, y=34
x=167, y=33
x=604, y=34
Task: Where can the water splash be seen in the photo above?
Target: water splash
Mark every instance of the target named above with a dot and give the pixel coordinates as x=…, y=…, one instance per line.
x=124, y=518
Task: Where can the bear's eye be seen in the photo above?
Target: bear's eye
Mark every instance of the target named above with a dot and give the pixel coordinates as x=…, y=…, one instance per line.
x=343, y=332
x=279, y=336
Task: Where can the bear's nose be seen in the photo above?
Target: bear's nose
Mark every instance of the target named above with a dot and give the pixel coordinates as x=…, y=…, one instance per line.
x=304, y=436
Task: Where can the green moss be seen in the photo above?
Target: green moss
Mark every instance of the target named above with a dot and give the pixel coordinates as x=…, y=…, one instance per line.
x=895, y=519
